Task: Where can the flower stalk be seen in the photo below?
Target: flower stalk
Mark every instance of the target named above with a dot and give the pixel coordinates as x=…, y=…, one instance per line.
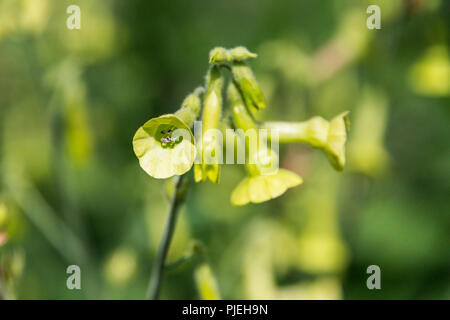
x=163, y=249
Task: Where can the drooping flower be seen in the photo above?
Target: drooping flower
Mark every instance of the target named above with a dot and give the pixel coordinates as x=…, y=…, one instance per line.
x=265, y=180
x=210, y=144
x=262, y=188
x=330, y=136
x=165, y=145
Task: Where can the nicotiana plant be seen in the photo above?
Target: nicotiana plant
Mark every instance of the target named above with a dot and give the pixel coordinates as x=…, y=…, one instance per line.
x=166, y=147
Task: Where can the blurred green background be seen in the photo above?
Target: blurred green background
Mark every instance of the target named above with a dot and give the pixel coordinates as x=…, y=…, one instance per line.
x=72, y=191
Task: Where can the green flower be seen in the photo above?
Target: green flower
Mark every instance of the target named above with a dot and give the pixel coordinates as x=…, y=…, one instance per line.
x=210, y=146
x=241, y=53
x=165, y=145
x=265, y=180
x=252, y=94
x=329, y=136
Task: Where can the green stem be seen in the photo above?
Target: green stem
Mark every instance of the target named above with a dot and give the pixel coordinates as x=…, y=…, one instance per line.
x=158, y=267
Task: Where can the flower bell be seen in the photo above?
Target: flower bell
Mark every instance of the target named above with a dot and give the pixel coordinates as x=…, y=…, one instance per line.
x=165, y=145
x=252, y=94
x=258, y=189
x=329, y=136
x=210, y=144
x=265, y=181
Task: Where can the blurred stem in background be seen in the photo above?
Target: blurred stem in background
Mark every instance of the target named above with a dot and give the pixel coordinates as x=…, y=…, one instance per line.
x=69, y=133
x=177, y=200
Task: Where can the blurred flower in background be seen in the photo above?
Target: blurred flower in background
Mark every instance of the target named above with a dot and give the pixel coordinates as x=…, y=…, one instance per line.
x=431, y=74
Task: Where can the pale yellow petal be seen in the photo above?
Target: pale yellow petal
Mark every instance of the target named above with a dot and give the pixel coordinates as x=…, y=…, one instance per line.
x=258, y=189
x=240, y=195
x=289, y=178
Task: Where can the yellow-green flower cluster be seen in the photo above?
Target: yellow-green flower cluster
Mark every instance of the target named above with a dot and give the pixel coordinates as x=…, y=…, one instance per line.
x=165, y=146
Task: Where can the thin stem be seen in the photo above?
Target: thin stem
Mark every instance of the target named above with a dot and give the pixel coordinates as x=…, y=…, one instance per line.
x=158, y=268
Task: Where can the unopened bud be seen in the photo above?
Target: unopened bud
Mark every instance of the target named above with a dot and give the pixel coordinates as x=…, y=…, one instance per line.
x=241, y=54
x=246, y=81
x=219, y=55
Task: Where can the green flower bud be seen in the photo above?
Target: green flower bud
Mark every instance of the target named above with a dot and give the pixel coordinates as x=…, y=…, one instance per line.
x=210, y=145
x=241, y=53
x=219, y=55
x=329, y=136
x=190, y=108
x=242, y=118
x=246, y=81
x=165, y=145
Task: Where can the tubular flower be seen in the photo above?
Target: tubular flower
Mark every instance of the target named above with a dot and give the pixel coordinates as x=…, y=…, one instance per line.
x=252, y=94
x=165, y=145
x=330, y=136
x=210, y=144
x=265, y=180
